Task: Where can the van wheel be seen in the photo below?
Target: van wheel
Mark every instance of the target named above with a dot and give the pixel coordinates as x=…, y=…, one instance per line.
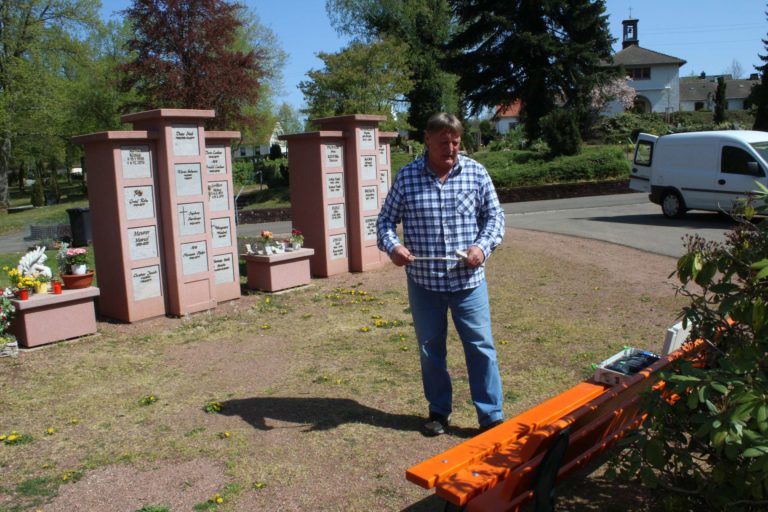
x=672, y=205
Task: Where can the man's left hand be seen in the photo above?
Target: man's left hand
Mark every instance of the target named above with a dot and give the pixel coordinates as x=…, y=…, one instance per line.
x=475, y=257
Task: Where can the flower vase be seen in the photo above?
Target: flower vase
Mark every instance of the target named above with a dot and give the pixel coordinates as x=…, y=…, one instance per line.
x=79, y=269
x=295, y=246
x=266, y=248
x=41, y=288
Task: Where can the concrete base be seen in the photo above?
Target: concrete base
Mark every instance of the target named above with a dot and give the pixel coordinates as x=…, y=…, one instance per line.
x=278, y=271
x=48, y=318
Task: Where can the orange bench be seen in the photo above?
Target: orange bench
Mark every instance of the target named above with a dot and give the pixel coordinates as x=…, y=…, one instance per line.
x=497, y=470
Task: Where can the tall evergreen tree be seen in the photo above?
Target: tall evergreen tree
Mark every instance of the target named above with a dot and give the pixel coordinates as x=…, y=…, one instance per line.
x=186, y=56
x=424, y=26
x=720, y=101
x=543, y=52
x=759, y=95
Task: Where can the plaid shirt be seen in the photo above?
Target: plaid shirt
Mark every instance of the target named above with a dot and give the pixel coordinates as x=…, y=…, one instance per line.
x=439, y=218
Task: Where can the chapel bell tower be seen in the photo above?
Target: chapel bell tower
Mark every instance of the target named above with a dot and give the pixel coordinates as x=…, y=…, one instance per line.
x=629, y=36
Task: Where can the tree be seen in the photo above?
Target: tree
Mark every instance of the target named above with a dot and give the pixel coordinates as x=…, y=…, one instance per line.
x=361, y=79
x=735, y=70
x=705, y=439
x=544, y=53
x=720, y=101
x=759, y=95
x=185, y=56
x=34, y=42
x=424, y=26
x=289, y=119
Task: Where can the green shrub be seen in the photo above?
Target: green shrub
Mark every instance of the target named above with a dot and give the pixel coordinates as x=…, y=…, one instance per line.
x=560, y=131
x=242, y=172
x=526, y=167
x=38, y=193
x=275, y=172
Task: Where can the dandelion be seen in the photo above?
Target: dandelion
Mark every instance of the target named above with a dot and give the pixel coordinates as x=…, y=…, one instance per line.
x=264, y=327
x=216, y=498
x=224, y=435
x=74, y=421
x=365, y=329
x=148, y=400
x=259, y=485
x=212, y=407
x=503, y=342
x=50, y=431
x=306, y=315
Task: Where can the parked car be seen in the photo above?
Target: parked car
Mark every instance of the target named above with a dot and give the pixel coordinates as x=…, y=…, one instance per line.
x=699, y=170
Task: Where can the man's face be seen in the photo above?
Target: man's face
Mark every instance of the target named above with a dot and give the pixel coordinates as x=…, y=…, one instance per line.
x=443, y=150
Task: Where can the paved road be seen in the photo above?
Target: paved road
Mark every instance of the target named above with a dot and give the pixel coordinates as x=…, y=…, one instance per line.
x=626, y=219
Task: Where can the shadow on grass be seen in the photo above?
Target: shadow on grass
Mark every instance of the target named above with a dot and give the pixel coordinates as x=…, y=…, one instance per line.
x=324, y=414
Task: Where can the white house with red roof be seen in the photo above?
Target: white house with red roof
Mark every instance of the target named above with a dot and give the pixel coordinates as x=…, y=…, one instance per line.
x=507, y=117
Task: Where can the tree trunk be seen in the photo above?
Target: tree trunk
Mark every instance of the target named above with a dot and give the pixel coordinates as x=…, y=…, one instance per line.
x=5, y=167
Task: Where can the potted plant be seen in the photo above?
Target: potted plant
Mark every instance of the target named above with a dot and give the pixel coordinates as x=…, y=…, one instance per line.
x=73, y=267
x=297, y=239
x=265, y=242
x=41, y=282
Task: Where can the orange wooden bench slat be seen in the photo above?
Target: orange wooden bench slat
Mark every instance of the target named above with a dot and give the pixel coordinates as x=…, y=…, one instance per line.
x=429, y=472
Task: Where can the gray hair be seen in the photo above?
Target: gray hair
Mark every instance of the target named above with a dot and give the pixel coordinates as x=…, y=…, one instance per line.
x=443, y=121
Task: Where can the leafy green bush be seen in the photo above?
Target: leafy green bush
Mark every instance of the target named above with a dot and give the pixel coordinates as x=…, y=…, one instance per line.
x=561, y=132
x=38, y=193
x=522, y=168
x=242, y=172
x=708, y=448
x=275, y=172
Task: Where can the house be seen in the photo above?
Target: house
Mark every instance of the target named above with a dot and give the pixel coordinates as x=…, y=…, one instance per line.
x=654, y=76
x=507, y=117
x=698, y=92
x=251, y=150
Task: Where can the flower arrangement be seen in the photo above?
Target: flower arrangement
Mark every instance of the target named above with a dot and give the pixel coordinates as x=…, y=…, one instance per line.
x=20, y=281
x=266, y=237
x=296, y=237
x=67, y=257
x=7, y=312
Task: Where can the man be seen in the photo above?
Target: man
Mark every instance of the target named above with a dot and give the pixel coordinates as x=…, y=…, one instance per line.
x=447, y=203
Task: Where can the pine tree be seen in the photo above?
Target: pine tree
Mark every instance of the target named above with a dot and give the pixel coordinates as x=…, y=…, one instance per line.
x=759, y=95
x=544, y=52
x=720, y=101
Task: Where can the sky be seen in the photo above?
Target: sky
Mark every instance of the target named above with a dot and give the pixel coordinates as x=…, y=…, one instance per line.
x=708, y=34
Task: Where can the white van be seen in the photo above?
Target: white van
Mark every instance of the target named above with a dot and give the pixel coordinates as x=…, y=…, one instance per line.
x=699, y=170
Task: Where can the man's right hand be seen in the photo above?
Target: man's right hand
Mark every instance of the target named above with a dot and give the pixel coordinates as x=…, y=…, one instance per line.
x=401, y=256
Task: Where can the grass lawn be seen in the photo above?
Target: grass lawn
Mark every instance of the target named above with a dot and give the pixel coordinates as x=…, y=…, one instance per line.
x=319, y=388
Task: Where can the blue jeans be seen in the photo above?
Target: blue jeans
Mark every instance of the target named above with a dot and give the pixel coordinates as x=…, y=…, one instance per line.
x=472, y=318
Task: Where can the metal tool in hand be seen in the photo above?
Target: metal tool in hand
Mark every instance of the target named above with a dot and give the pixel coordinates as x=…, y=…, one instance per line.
x=460, y=256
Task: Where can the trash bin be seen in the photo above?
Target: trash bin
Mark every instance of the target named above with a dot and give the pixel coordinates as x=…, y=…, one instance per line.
x=80, y=225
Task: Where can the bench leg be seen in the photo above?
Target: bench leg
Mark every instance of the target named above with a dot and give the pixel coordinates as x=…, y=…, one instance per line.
x=546, y=475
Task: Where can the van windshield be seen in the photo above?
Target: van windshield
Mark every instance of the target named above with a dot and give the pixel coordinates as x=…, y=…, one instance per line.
x=762, y=149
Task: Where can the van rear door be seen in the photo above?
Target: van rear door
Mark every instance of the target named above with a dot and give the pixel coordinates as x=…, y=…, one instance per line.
x=739, y=168
x=640, y=177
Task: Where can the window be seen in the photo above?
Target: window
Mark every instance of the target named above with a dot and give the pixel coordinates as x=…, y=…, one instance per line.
x=699, y=105
x=644, y=153
x=737, y=161
x=639, y=73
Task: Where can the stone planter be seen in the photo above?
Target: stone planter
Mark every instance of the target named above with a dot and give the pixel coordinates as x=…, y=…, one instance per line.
x=278, y=271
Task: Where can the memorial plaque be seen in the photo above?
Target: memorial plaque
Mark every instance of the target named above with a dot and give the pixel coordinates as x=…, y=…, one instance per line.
x=221, y=233
x=334, y=185
x=338, y=247
x=146, y=282
x=368, y=167
x=336, y=216
x=216, y=159
x=194, y=258
x=142, y=242
x=218, y=196
x=136, y=161
x=333, y=155
x=382, y=154
x=370, y=199
x=139, y=203
x=189, y=181
x=383, y=183
x=223, y=269
x=191, y=218
x=185, y=140
x=369, y=228
x=367, y=138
